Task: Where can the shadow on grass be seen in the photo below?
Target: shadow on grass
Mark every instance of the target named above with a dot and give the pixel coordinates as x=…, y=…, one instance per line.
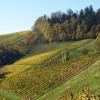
x=3, y=75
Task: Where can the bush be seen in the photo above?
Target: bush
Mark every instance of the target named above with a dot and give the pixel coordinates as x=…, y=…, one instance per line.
x=84, y=51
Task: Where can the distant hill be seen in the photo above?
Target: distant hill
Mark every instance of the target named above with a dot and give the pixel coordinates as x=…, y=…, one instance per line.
x=14, y=40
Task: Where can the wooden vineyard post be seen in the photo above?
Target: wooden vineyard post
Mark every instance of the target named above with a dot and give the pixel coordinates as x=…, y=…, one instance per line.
x=67, y=55
x=64, y=56
x=52, y=60
x=55, y=60
x=60, y=56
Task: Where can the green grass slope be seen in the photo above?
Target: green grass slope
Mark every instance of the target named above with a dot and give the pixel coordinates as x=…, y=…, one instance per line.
x=15, y=40
x=13, y=37
x=4, y=95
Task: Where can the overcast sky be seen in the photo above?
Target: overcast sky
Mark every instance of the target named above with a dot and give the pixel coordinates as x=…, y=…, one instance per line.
x=19, y=15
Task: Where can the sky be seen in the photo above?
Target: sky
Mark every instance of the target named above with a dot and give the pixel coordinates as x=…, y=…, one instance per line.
x=20, y=15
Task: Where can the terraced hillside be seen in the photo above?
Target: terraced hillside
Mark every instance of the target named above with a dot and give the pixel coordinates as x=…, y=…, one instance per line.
x=36, y=82
x=26, y=79
x=89, y=77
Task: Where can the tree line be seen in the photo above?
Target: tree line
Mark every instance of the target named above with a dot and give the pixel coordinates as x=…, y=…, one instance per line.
x=67, y=26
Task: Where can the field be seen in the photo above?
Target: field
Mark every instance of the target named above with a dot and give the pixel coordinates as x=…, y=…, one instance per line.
x=36, y=82
x=89, y=77
x=47, y=71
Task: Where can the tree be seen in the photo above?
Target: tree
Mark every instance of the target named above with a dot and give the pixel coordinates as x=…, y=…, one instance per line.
x=98, y=16
x=81, y=14
x=56, y=17
x=93, y=31
x=69, y=13
x=69, y=27
x=57, y=30
x=62, y=36
x=49, y=33
x=97, y=29
x=73, y=24
x=89, y=17
x=45, y=28
x=79, y=32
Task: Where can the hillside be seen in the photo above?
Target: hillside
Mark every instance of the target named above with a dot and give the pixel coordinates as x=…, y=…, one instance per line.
x=15, y=40
x=44, y=51
x=56, y=56
x=59, y=59
x=41, y=80
x=89, y=77
x=27, y=79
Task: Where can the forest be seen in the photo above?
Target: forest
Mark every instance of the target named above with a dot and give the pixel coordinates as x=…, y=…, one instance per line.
x=69, y=26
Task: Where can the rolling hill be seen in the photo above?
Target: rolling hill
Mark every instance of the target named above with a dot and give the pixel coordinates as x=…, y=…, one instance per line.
x=29, y=78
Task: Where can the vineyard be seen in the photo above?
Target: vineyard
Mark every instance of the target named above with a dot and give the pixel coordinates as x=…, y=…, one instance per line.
x=37, y=81
x=72, y=88
x=44, y=68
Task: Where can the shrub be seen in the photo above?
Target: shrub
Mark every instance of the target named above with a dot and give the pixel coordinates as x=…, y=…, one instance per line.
x=84, y=51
